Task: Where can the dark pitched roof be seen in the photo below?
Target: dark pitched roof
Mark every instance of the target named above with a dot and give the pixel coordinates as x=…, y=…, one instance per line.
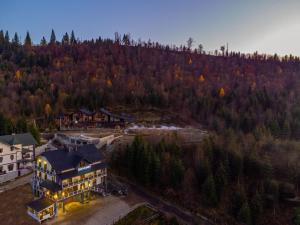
x=15, y=139
x=50, y=185
x=63, y=160
x=90, y=153
x=122, y=116
x=40, y=204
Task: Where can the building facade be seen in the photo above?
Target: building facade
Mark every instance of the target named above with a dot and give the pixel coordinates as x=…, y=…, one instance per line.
x=17, y=152
x=84, y=118
x=61, y=176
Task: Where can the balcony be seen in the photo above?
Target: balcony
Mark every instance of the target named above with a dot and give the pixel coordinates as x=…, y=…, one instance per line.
x=70, y=184
x=68, y=194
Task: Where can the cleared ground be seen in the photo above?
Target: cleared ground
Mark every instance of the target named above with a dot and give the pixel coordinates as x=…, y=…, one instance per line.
x=102, y=210
x=12, y=206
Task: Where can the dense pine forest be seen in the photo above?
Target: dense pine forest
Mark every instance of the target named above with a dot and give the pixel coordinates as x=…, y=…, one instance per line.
x=243, y=172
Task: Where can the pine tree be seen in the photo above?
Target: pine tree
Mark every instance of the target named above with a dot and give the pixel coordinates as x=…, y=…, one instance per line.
x=72, y=39
x=43, y=41
x=209, y=192
x=296, y=217
x=52, y=38
x=177, y=172
x=2, y=39
x=16, y=39
x=65, y=40
x=27, y=41
x=155, y=169
x=221, y=180
x=256, y=206
x=6, y=37
x=35, y=132
x=244, y=214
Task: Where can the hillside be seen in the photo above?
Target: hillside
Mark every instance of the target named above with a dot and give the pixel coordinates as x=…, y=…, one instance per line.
x=234, y=90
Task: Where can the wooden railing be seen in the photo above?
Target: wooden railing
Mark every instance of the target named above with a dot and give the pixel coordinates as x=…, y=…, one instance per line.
x=82, y=180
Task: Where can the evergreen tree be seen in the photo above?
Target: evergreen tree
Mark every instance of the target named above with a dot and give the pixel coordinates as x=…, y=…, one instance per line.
x=72, y=38
x=296, y=217
x=27, y=41
x=256, y=206
x=2, y=39
x=209, y=192
x=238, y=199
x=6, y=37
x=35, y=132
x=203, y=170
x=16, y=39
x=244, y=214
x=155, y=169
x=177, y=172
x=52, y=37
x=221, y=180
x=65, y=40
x=43, y=41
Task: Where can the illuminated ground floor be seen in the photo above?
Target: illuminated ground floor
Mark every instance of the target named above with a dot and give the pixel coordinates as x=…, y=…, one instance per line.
x=44, y=208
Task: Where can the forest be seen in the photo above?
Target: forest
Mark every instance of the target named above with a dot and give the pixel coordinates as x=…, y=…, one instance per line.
x=246, y=169
x=220, y=90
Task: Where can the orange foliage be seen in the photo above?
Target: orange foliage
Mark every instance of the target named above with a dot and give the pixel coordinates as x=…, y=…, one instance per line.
x=201, y=78
x=18, y=74
x=48, y=109
x=222, y=92
x=109, y=83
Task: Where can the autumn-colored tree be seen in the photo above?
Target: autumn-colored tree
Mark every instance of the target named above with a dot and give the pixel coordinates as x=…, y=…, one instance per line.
x=201, y=78
x=47, y=110
x=221, y=92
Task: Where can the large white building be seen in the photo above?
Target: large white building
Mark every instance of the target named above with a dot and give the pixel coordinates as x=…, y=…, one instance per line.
x=17, y=152
x=62, y=176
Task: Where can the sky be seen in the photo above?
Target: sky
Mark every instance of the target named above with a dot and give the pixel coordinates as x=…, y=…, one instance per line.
x=266, y=26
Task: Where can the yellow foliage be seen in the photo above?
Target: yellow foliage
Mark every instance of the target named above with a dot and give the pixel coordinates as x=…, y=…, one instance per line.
x=201, y=78
x=109, y=83
x=222, y=92
x=48, y=109
x=18, y=74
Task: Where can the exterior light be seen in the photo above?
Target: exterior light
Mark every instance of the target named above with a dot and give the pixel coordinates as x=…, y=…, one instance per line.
x=90, y=185
x=39, y=160
x=63, y=193
x=48, y=193
x=55, y=196
x=45, y=162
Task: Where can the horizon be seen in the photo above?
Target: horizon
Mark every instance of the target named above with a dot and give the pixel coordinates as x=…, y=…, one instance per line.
x=267, y=27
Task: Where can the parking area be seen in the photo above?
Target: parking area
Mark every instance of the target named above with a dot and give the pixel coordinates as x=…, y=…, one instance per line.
x=103, y=210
